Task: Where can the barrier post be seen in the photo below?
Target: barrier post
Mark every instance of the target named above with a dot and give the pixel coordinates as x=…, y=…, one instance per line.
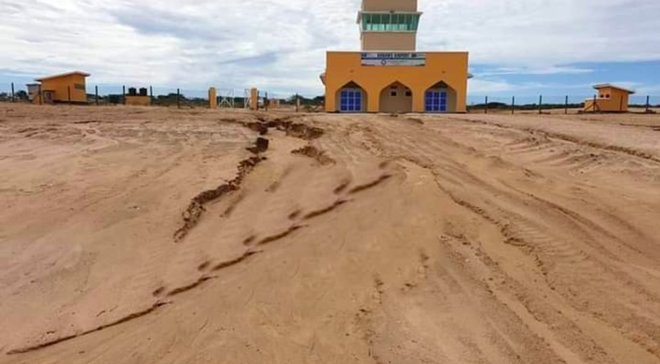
x=123, y=95
x=566, y=106
x=13, y=95
x=486, y=106
x=594, y=105
x=540, y=104
x=178, y=98
x=648, y=104
x=513, y=105
x=68, y=90
x=96, y=92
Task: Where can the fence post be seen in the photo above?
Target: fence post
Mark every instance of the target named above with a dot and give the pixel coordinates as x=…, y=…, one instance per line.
x=513, y=105
x=486, y=106
x=594, y=105
x=540, y=104
x=96, y=92
x=68, y=90
x=566, y=106
x=178, y=98
x=123, y=95
x=648, y=104
x=13, y=95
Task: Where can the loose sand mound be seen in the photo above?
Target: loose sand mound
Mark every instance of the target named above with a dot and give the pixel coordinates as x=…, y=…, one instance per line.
x=147, y=235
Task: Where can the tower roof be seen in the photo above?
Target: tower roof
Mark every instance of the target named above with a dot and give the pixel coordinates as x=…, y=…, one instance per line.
x=389, y=5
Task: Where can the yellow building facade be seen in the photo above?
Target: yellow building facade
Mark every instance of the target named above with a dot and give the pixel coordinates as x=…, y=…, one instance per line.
x=137, y=97
x=65, y=88
x=610, y=98
x=137, y=100
x=388, y=74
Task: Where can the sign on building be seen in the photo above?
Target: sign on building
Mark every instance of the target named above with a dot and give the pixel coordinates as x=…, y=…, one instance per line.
x=394, y=59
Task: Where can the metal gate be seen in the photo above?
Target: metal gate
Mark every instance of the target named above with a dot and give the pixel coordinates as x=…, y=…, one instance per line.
x=350, y=100
x=436, y=101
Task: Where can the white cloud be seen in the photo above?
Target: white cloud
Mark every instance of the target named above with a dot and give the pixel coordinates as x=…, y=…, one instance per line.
x=543, y=70
x=280, y=45
x=544, y=33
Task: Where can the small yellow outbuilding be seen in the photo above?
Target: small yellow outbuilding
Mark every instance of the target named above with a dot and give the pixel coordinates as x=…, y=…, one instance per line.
x=64, y=88
x=610, y=99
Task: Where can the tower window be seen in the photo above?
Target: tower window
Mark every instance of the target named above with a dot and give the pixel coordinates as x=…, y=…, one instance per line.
x=390, y=22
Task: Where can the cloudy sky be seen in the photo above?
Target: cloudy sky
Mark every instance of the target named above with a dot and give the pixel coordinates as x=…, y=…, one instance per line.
x=517, y=47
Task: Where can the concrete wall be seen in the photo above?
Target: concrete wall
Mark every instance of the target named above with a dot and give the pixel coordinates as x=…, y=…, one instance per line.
x=387, y=5
x=448, y=67
x=138, y=100
x=389, y=41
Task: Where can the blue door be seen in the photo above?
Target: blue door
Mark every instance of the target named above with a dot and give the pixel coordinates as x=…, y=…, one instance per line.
x=350, y=100
x=436, y=101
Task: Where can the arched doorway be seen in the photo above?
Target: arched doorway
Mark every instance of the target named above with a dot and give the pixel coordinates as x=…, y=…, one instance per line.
x=440, y=98
x=396, y=98
x=351, y=98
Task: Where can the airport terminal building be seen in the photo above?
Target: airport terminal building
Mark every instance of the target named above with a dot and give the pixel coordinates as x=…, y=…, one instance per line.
x=389, y=74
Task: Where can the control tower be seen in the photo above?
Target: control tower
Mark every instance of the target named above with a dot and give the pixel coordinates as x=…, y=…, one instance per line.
x=389, y=25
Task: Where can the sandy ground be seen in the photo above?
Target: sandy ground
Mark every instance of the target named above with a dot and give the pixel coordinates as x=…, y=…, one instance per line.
x=146, y=235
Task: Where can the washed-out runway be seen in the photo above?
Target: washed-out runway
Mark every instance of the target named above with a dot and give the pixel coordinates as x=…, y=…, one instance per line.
x=154, y=235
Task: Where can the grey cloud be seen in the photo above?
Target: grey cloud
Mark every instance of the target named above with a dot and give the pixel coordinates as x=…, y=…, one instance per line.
x=281, y=43
x=152, y=21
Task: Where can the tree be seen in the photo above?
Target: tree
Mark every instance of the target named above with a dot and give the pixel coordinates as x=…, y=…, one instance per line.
x=22, y=95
